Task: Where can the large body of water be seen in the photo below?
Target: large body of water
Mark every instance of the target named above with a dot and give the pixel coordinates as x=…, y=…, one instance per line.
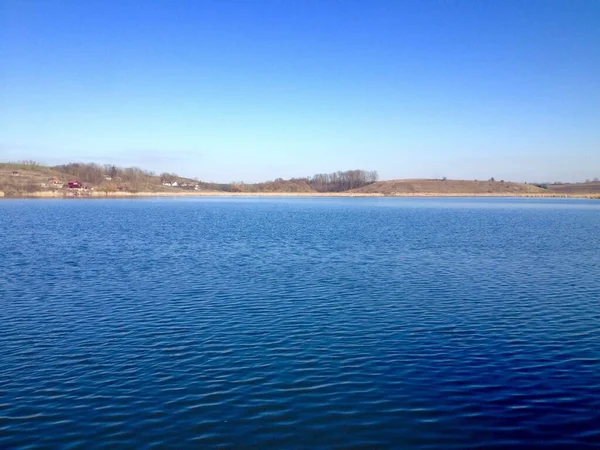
x=300, y=323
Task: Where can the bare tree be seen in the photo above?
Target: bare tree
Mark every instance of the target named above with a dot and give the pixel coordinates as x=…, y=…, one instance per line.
x=111, y=171
x=166, y=177
x=342, y=181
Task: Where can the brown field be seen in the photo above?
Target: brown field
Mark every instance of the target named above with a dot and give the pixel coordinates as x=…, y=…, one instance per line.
x=589, y=188
x=450, y=187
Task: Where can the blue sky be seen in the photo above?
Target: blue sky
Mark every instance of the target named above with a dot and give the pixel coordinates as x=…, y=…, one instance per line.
x=255, y=89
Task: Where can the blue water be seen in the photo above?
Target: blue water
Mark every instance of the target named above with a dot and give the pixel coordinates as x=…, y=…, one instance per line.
x=300, y=323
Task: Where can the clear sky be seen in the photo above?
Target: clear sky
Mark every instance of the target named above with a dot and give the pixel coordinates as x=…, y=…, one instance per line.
x=251, y=90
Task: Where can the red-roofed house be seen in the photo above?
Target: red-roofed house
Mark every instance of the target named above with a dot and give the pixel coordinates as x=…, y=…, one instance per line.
x=74, y=184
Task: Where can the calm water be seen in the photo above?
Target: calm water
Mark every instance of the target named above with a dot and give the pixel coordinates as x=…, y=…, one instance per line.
x=300, y=323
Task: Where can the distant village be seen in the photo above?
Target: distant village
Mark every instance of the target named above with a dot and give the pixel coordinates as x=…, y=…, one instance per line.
x=55, y=183
x=79, y=179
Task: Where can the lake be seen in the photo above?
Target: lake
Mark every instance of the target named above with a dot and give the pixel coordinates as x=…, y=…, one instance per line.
x=300, y=323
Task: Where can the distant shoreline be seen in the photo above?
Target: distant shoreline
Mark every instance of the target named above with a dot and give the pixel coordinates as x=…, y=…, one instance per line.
x=125, y=195
x=29, y=179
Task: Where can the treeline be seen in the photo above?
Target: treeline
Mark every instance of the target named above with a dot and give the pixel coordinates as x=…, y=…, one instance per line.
x=343, y=181
x=96, y=174
x=324, y=182
x=277, y=185
x=22, y=165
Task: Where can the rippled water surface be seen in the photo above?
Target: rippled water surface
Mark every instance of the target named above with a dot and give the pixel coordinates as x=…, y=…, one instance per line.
x=300, y=323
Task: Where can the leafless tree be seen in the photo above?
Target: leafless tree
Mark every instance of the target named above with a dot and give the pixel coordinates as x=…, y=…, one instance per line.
x=343, y=181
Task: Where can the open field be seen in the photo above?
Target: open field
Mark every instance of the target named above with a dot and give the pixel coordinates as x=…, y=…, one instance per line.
x=576, y=188
x=423, y=187
x=449, y=187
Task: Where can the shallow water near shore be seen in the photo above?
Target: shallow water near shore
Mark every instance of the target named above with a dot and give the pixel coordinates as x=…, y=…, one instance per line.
x=300, y=323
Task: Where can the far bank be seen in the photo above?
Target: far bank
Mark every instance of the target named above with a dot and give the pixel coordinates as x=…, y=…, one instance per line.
x=115, y=195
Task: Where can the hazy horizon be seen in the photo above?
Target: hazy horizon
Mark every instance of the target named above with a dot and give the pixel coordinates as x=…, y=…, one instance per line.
x=255, y=90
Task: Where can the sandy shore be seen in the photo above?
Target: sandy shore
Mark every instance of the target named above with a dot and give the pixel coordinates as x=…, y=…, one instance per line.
x=95, y=194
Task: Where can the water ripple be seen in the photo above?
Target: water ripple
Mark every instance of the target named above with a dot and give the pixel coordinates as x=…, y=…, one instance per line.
x=324, y=323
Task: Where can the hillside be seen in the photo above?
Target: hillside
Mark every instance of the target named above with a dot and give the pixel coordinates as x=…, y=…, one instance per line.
x=590, y=187
x=17, y=179
x=86, y=179
x=449, y=187
x=29, y=177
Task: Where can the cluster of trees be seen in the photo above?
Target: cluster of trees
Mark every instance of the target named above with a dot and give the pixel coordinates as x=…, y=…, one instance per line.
x=277, y=185
x=87, y=173
x=166, y=177
x=323, y=182
x=342, y=181
x=132, y=178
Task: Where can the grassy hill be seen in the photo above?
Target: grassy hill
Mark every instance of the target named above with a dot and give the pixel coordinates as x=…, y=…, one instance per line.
x=18, y=179
x=28, y=178
x=449, y=187
x=587, y=188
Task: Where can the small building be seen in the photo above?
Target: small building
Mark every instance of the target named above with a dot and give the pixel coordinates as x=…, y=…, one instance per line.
x=74, y=184
x=15, y=173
